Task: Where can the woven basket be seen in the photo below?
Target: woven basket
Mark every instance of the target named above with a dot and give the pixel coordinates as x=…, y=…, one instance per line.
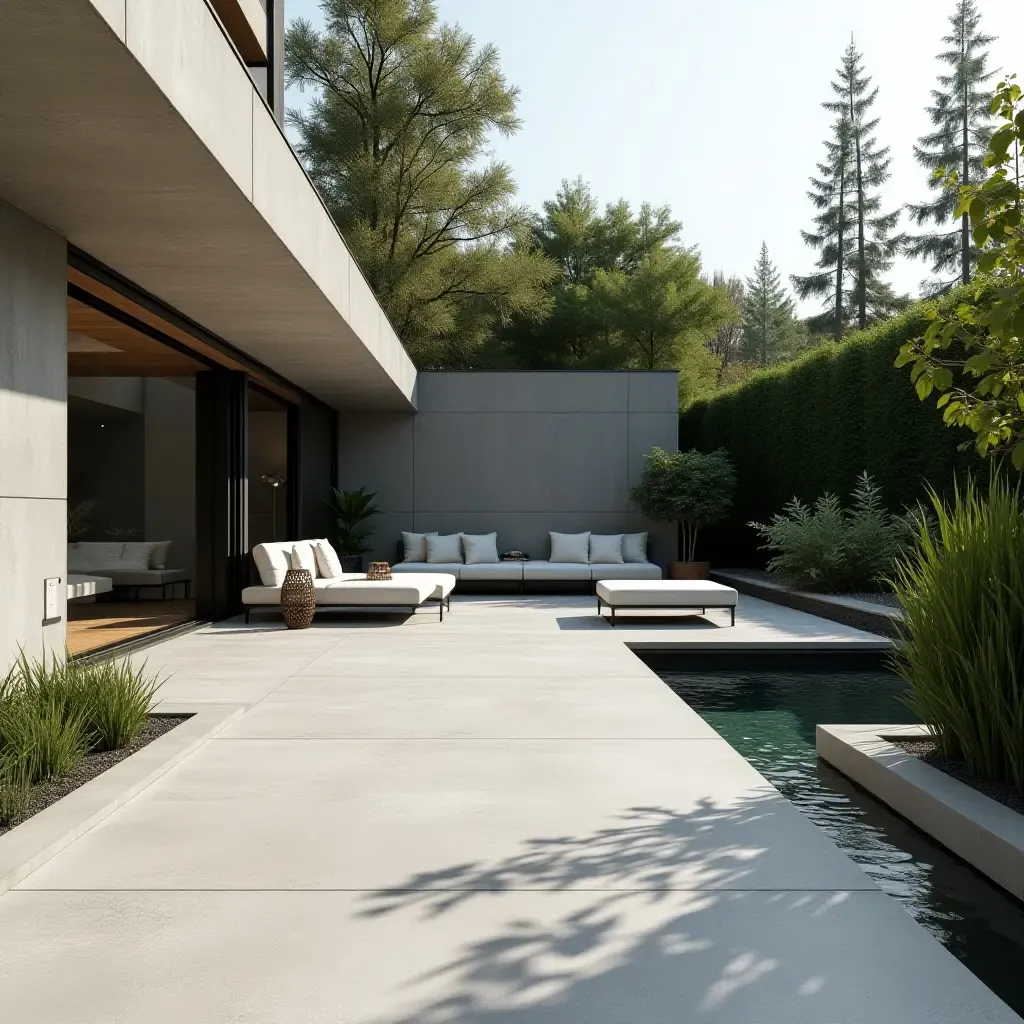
x=378, y=571
x=298, y=598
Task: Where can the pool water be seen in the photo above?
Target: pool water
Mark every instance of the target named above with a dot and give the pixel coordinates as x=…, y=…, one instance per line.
x=769, y=717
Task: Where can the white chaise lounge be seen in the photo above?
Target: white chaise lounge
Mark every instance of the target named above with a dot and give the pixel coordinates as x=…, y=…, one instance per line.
x=339, y=589
x=650, y=595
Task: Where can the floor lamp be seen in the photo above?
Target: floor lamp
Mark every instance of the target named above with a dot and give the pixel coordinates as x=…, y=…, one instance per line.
x=273, y=481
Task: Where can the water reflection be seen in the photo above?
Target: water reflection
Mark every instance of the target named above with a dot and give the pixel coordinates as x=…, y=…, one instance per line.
x=769, y=717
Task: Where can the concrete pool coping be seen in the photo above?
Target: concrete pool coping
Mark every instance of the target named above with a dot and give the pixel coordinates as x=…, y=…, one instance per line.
x=31, y=844
x=978, y=829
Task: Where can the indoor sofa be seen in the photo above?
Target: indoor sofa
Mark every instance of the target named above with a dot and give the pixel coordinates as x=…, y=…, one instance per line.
x=135, y=564
x=577, y=558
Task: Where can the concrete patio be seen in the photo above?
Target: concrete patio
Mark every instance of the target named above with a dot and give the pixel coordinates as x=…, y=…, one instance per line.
x=506, y=817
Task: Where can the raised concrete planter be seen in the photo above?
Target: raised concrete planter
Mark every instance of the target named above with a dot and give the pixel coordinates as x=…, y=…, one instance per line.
x=866, y=615
x=33, y=842
x=976, y=828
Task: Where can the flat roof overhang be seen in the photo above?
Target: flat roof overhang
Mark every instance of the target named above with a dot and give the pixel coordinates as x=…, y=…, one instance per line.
x=132, y=128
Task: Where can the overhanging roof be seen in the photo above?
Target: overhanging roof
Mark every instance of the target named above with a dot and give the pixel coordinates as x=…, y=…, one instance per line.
x=131, y=127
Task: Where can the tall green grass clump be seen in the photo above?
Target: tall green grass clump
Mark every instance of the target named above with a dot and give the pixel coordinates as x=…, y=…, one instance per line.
x=117, y=698
x=962, y=650
x=53, y=711
x=42, y=722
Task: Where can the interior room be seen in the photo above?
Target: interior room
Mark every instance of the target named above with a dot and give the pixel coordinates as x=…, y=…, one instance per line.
x=131, y=477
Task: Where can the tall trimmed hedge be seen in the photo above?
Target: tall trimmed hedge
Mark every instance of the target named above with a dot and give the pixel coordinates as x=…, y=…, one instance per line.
x=813, y=425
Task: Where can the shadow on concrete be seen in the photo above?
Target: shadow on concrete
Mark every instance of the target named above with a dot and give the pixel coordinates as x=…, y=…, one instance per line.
x=607, y=939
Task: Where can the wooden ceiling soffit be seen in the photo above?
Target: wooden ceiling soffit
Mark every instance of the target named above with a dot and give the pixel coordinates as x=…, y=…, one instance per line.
x=205, y=353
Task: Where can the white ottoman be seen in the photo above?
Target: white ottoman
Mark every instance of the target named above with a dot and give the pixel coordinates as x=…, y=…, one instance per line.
x=651, y=594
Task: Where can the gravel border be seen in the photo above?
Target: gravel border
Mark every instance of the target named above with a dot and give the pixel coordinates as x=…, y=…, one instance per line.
x=928, y=752
x=873, y=596
x=46, y=793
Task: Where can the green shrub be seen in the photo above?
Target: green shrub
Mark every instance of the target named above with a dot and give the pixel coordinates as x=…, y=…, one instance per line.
x=811, y=426
x=827, y=547
x=962, y=651
x=690, y=489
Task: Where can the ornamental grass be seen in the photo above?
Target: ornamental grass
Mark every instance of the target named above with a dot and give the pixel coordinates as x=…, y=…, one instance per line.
x=962, y=637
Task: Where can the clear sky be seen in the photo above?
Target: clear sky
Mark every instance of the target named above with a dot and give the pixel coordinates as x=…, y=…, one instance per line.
x=712, y=107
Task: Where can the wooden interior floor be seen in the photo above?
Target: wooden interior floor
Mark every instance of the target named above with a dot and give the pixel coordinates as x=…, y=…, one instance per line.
x=107, y=622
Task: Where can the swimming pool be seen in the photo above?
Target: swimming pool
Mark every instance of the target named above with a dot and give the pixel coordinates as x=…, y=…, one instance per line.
x=767, y=706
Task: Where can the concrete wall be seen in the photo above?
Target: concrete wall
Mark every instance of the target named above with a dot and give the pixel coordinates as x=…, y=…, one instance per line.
x=170, y=472
x=520, y=453
x=33, y=430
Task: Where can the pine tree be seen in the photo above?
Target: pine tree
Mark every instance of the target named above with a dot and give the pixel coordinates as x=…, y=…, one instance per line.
x=851, y=234
x=769, y=328
x=959, y=112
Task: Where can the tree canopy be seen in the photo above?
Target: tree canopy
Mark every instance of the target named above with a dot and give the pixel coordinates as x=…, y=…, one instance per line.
x=394, y=140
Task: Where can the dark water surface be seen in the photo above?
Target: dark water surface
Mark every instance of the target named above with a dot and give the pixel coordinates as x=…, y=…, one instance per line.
x=769, y=716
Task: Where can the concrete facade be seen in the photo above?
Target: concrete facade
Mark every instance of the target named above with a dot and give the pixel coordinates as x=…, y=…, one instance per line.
x=519, y=453
x=140, y=136
x=33, y=430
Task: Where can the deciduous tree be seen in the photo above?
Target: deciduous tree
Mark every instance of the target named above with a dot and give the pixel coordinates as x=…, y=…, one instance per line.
x=394, y=140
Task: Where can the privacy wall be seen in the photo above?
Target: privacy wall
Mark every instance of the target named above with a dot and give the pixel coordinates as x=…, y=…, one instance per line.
x=519, y=453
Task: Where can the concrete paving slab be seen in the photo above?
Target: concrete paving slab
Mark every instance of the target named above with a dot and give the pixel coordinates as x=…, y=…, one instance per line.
x=475, y=814
x=514, y=707
x=478, y=958
x=448, y=877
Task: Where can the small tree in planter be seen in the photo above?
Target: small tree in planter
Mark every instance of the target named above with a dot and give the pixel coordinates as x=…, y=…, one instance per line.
x=691, y=489
x=351, y=511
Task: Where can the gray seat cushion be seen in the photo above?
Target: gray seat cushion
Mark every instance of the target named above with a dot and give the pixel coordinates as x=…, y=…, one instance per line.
x=493, y=571
x=553, y=571
x=625, y=571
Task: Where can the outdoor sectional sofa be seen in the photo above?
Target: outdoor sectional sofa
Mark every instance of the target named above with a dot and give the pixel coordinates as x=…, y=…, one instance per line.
x=585, y=558
x=337, y=589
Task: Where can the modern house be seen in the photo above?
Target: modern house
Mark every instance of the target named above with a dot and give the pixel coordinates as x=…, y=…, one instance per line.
x=189, y=353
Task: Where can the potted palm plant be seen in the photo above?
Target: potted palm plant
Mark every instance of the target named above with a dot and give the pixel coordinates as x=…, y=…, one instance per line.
x=691, y=489
x=351, y=511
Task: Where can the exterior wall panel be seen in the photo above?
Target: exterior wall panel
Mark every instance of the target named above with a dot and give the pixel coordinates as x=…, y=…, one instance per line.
x=520, y=453
x=33, y=431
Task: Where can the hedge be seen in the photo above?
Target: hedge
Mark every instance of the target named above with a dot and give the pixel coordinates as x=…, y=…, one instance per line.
x=815, y=424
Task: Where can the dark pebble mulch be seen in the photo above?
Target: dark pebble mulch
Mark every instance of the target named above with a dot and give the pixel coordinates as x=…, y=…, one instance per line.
x=1002, y=792
x=91, y=765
